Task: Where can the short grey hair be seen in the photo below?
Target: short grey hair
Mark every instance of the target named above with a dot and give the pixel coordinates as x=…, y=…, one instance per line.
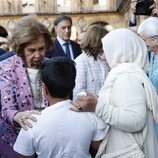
x=149, y=27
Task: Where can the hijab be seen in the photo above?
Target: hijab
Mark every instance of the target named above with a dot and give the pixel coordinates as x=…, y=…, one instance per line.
x=126, y=52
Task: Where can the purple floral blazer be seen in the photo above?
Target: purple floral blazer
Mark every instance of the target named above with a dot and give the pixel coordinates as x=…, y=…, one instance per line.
x=16, y=96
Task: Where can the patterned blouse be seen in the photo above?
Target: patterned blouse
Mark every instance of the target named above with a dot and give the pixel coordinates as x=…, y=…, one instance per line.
x=91, y=74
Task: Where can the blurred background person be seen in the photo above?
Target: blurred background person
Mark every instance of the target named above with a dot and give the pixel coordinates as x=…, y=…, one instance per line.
x=146, y=8
x=153, y=7
x=20, y=81
x=3, y=40
x=148, y=30
x=3, y=44
x=2, y=51
x=6, y=55
x=80, y=37
x=91, y=67
x=63, y=46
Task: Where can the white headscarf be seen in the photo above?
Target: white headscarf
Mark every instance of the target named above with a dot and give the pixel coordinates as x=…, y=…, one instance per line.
x=126, y=52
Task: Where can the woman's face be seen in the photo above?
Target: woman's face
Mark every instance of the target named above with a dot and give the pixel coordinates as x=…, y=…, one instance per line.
x=34, y=53
x=151, y=42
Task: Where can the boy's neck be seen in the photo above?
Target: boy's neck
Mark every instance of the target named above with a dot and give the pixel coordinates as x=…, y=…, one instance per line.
x=53, y=101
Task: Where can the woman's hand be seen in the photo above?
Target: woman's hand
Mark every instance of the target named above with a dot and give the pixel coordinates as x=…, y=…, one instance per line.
x=154, y=8
x=133, y=6
x=85, y=103
x=22, y=118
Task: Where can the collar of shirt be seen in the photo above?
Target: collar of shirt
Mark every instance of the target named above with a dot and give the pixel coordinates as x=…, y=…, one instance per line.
x=62, y=42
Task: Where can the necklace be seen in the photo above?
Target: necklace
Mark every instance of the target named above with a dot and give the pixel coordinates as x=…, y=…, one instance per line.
x=36, y=85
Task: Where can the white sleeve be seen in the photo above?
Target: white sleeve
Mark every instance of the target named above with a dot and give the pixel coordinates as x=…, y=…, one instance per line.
x=24, y=143
x=100, y=129
x=128, y=111
x=81, y=81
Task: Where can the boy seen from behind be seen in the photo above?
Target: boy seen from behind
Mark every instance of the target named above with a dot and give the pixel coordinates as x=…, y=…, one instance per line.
x=60, y=132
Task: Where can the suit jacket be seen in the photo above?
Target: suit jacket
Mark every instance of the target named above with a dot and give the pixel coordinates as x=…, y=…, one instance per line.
x=6, y=55
x=58, y=50
x=2, y=51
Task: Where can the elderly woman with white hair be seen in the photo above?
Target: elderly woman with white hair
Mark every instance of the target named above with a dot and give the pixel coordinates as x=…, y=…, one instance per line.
x=148, y=30
x=127, y=102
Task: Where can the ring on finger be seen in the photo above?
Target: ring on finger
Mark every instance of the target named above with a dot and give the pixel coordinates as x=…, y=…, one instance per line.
x=79, y=108
x=23, y=121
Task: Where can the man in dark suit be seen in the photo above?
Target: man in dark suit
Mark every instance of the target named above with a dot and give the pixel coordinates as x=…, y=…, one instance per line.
x=63, y=46
x=6, y=55
x=2, y=51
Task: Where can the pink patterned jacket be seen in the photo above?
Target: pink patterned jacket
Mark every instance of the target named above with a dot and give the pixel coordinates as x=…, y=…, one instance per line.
x=15, y=96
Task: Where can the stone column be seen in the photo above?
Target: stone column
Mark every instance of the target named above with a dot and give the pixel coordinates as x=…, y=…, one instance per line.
x=18, y=6
x=112, y=5
x=2, y=7
x=87, y=5
x=52, y=6
x=75, y=6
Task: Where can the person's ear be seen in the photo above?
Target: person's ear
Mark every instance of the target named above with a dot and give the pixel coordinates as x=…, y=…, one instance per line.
x=45, y=90
x=56, y=29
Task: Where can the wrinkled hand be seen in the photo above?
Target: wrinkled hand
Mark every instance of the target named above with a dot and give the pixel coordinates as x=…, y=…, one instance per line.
x=85, y=103
x=22, y=118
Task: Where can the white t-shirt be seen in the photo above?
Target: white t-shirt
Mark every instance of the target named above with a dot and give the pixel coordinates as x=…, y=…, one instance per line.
x=61, y=133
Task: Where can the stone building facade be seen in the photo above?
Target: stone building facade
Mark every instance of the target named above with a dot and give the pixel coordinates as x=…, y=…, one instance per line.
x=110, y=13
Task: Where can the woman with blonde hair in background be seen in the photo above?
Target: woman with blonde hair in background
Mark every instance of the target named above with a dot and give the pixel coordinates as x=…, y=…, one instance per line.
x=91, y=64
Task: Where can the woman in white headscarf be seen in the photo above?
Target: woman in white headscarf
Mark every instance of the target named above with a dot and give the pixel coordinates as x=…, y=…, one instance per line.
x=127, y=101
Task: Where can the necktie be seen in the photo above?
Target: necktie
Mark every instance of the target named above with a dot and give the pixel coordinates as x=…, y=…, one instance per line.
x=67, y=50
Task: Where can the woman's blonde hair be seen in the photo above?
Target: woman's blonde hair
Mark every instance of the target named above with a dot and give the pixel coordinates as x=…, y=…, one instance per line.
x=91, y=42
x=27, y=30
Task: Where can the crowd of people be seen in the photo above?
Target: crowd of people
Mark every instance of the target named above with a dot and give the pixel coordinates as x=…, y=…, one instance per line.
x=92, y=99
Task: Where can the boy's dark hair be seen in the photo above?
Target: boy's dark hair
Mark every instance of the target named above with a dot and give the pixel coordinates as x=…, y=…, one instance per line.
x=59, y=74
x=62, y=18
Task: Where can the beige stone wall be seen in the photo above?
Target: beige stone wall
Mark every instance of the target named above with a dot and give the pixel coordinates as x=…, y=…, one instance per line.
x=45, y=6
x=114, y=19
x=50, y=6
x=83, y=14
